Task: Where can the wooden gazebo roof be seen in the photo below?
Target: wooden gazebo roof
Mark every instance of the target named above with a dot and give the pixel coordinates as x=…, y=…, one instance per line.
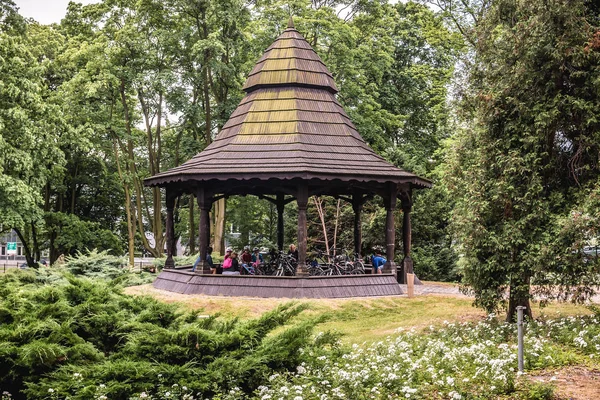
x=289, y=125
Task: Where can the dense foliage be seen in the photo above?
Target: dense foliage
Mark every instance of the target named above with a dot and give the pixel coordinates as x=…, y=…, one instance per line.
x=495, y=101
x=62, y=339
x=525, y=171
x=127, y=89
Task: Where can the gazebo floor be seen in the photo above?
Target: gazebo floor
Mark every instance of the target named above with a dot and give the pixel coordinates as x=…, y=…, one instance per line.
x=314, y=287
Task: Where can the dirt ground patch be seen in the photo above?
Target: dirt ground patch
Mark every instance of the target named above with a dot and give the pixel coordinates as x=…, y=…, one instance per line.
x=572, y=383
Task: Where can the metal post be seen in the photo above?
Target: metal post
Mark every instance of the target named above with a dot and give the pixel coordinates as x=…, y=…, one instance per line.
x=520, y=335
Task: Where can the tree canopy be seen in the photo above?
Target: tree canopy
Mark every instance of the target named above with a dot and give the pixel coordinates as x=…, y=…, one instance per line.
x=494, y=100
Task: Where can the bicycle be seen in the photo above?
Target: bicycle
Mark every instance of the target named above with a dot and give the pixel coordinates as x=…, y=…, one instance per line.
x=285, y=265
x=355, y=265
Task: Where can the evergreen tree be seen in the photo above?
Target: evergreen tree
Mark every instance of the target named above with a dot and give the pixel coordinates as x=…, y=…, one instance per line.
x=529, y=147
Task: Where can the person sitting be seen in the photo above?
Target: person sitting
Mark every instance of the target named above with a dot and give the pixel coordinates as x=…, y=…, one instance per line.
x=293, y=251
x=231, y=265
x=378, y=262
x=245, y=259
x=257, y=258
x=209, y=261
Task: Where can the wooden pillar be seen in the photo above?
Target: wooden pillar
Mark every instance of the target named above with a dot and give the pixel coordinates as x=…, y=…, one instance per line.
x=280, y=208
x=170, y=229
x=390, y=200
x=407, y=263
x=204, y=204
x=302, y=200
x=357, y=203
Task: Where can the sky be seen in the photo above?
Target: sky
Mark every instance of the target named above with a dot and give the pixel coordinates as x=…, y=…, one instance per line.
x=46, y=11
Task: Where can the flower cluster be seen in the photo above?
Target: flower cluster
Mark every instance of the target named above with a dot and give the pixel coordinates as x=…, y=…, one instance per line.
x=457, y=361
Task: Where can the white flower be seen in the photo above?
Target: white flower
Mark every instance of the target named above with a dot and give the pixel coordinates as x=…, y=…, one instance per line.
x=300, y=369
x=143, y=395
x=50, y=390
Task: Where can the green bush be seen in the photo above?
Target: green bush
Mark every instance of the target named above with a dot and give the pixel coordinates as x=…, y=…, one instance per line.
x=100, y=265
x=96, y=264
x=179, y=260
x=537, y=391
x=67, y=339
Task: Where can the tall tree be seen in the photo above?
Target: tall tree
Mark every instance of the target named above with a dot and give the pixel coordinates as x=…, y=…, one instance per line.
x=29, y=132
x=532, y=147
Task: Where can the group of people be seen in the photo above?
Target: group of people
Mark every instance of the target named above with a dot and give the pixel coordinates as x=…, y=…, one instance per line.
x=232, y=266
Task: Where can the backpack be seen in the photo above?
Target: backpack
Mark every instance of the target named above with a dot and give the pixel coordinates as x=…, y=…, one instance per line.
x=227, y=263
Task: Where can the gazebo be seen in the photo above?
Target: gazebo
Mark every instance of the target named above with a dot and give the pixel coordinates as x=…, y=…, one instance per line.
x=289, y=139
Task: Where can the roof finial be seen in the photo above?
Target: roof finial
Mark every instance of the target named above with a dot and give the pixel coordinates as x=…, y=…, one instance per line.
x=291, y=23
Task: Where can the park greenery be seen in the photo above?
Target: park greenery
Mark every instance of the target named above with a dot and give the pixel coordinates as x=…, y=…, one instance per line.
x=496, y=101
x=64, y=335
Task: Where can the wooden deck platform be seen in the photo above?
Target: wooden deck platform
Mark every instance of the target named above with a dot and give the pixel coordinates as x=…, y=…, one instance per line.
x=315, y=287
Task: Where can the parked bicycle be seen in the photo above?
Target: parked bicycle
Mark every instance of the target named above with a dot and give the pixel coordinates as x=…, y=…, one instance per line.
x=284, y=265
x=335, y=264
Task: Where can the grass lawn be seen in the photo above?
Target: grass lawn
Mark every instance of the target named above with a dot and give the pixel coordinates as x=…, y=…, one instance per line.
x=359, y=319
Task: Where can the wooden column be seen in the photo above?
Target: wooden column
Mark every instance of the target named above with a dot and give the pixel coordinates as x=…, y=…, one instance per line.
x=302, y=200
x=204, y=204
x=280, y=203
x=407, y=263
x=357, y=203
x=170, y=229
x=390, y=200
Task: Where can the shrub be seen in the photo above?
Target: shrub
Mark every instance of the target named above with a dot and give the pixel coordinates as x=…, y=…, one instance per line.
x=96, y=264
x=68, y=339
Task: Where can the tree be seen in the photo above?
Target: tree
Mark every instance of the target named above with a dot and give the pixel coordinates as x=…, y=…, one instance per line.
x=519, y=168
x=29, y=133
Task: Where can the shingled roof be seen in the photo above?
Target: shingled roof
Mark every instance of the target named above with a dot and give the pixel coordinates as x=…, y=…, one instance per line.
x=289, y=125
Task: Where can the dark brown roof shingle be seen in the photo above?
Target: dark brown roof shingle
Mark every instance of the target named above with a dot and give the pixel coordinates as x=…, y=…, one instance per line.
x=289, y=125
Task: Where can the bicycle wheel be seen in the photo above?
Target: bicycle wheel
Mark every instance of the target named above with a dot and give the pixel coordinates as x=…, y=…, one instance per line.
x=318, y=271
x=328, y=270
x=348, y=268
x=359, y=268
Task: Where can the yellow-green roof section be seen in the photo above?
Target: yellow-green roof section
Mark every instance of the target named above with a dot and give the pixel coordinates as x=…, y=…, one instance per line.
x=290, y=60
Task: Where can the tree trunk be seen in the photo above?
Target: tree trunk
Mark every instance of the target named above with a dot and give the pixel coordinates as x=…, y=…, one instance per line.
x=130, y=226
x=335, y=228
x=74, y=189
x=518, y=296
x=319, y=206
x=219, y=245
x=30, y=262
x=36, y=248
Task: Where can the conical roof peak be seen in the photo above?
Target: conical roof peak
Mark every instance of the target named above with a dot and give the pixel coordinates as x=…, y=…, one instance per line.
x=289, y=126
x=290, y=61
x=291, y=23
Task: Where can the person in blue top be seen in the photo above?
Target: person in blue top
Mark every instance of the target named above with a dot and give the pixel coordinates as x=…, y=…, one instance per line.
x=378, y=262
x=257, y=258
x=209, y=260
